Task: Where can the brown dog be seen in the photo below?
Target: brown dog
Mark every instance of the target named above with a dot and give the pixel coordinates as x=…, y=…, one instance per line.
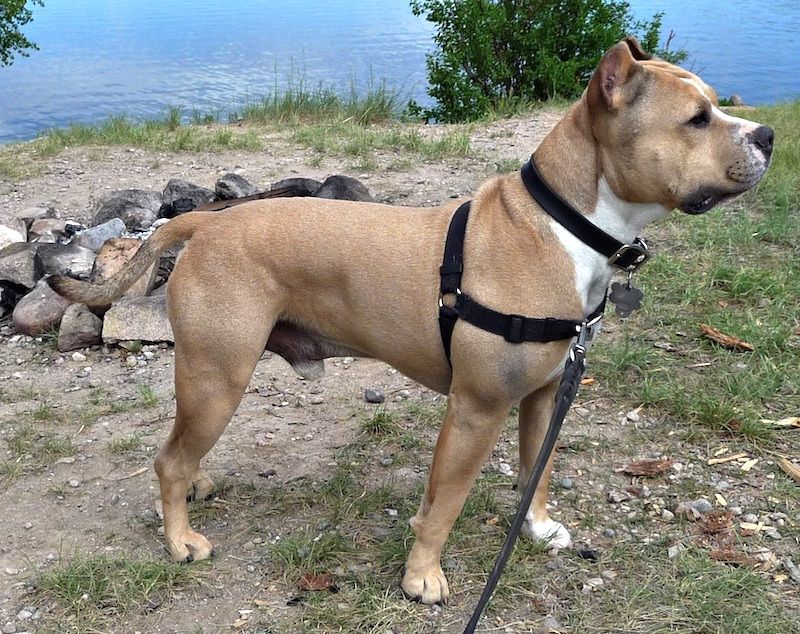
x=311, y=278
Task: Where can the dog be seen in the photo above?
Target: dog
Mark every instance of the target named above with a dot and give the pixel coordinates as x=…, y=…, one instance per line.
x=309, y=278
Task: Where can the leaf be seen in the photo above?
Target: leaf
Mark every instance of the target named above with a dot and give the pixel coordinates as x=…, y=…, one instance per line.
x=792, y=421
x=791, y=469
x=316, y=583
x=727, y=341
x=715, y=522
x=648, y=467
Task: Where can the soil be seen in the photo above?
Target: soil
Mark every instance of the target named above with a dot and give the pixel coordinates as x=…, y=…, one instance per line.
x=287, y=430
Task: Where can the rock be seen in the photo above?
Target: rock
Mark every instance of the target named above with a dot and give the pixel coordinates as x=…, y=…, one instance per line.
x=9, y=628
x=344, y=188
x=66, y=259
x=50, y=229
x=385, y=461
x=615, y=497
x=667, y=515
x=551, y=624
x=374, y=396
x=702, y=506
x=39, y=311
x=609, y=532
x=9, y=235
x=74, y=483
x=750, y=518
x=77, y=356
x=29, y=214
x=505, y=469
x=180, y=189
x=566, y=483
x=94, y=237
x=20, y=264
x=137, y=208
x=299, y=186
x=80, y=328
x=176, y=208
x=10, y=294
x=687, y=510
x=233, y=186
x=633, y=416
x=138, y=318
x=674, y=551
x=113, y=255
x=736, y=100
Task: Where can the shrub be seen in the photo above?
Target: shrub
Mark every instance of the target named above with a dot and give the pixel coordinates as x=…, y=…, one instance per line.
x=492, y=52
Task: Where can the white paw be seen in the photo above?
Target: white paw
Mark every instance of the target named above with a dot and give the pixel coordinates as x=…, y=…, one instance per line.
x=548, y=531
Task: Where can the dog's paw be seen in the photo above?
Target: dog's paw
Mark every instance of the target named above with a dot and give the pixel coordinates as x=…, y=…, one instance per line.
x=188, y=547
x=549, y=531
x=427, y=587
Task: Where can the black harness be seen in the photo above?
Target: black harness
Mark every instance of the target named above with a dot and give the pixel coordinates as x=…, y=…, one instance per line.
x=518, y=328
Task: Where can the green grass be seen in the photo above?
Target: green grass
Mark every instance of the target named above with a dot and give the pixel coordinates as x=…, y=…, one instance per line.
x=98, y=590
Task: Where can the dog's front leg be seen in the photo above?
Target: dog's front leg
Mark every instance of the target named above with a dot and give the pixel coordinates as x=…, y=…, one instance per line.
x=468, y=434
x=534, y=415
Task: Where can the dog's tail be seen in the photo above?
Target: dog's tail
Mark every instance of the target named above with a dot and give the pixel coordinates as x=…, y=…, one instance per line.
x=104, y=292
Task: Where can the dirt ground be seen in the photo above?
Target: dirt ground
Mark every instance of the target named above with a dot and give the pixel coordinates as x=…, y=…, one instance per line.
x=90, y=495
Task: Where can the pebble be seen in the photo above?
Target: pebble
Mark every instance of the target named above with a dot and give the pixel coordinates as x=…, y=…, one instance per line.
x=25, y=614
x=615, y=497
x=12, y=571
x=551, y=624
x=385, y=461
x=374, y=396
x=505, y=469
x=74, y=483
x=316, y=400
x=78, y=356
x=390, y=512
x=609, y=532
x=566, y=483
x=9, y=628
x=131, y=361
x=27, y=526
x=701, y=505
x=248, y=546
x=674, y=551
x=750, y=518
x=667, y=515
x=633, y=416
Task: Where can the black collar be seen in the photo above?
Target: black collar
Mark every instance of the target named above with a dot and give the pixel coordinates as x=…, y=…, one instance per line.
x=627, y=257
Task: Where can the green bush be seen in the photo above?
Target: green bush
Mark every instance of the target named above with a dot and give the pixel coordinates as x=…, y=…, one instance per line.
x=490, y=53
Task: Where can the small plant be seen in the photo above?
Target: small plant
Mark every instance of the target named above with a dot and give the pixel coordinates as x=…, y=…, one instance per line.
x=147, y=395
x=381, y=423
x=125, y=444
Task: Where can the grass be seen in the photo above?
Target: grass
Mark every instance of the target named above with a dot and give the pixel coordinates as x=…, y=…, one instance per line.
x=98, y=590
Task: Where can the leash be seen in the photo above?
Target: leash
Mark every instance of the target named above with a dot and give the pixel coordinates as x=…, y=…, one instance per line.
x=567, y=389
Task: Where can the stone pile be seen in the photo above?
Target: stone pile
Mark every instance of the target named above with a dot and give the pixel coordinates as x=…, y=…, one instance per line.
x=37, y=242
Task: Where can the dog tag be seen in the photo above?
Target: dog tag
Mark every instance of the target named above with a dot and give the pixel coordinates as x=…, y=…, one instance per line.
x=626, y=298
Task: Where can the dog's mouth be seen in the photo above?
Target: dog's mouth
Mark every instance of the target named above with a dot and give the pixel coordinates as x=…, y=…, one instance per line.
x=705, y=199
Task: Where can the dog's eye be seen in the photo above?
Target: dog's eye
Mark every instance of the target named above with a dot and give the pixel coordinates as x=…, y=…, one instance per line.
x=700, y=120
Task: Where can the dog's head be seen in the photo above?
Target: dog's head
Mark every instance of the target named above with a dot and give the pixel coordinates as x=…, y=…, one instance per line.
x=663, y=138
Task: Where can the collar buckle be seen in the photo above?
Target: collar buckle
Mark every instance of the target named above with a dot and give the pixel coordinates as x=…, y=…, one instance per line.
x=629, y=257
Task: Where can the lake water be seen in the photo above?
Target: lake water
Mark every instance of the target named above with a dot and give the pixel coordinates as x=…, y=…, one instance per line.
x=102, y=57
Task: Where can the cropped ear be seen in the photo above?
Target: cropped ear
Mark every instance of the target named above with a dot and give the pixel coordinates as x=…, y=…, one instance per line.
x=610, y=85
x=639, y=54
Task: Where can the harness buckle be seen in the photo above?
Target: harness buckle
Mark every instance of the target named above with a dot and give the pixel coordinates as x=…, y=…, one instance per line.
x=629, y=257
x=514, y=331
x=455, y=292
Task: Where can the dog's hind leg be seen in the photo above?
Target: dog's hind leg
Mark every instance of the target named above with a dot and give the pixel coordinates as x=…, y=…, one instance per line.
x=468, y=435
x=213, y=365
x=534, y=415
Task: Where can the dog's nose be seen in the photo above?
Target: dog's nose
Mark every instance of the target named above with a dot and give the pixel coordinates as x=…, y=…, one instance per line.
x=763, y=136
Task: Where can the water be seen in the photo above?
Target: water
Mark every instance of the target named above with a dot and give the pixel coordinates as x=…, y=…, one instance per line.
x=103, y=57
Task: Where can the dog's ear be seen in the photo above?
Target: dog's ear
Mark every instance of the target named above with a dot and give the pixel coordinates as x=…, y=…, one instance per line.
x=611, y=85
x=636, y=49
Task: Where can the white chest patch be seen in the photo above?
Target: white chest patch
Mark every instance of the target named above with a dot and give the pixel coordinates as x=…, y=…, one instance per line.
x=621, y=219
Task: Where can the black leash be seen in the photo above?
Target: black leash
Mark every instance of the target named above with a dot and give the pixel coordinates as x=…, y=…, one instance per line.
x=567, y=389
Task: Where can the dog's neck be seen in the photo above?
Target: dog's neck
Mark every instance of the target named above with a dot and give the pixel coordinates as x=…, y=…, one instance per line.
x=570, y=163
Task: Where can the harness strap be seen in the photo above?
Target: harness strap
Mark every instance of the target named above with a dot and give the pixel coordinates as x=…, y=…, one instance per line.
x=513, y=328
